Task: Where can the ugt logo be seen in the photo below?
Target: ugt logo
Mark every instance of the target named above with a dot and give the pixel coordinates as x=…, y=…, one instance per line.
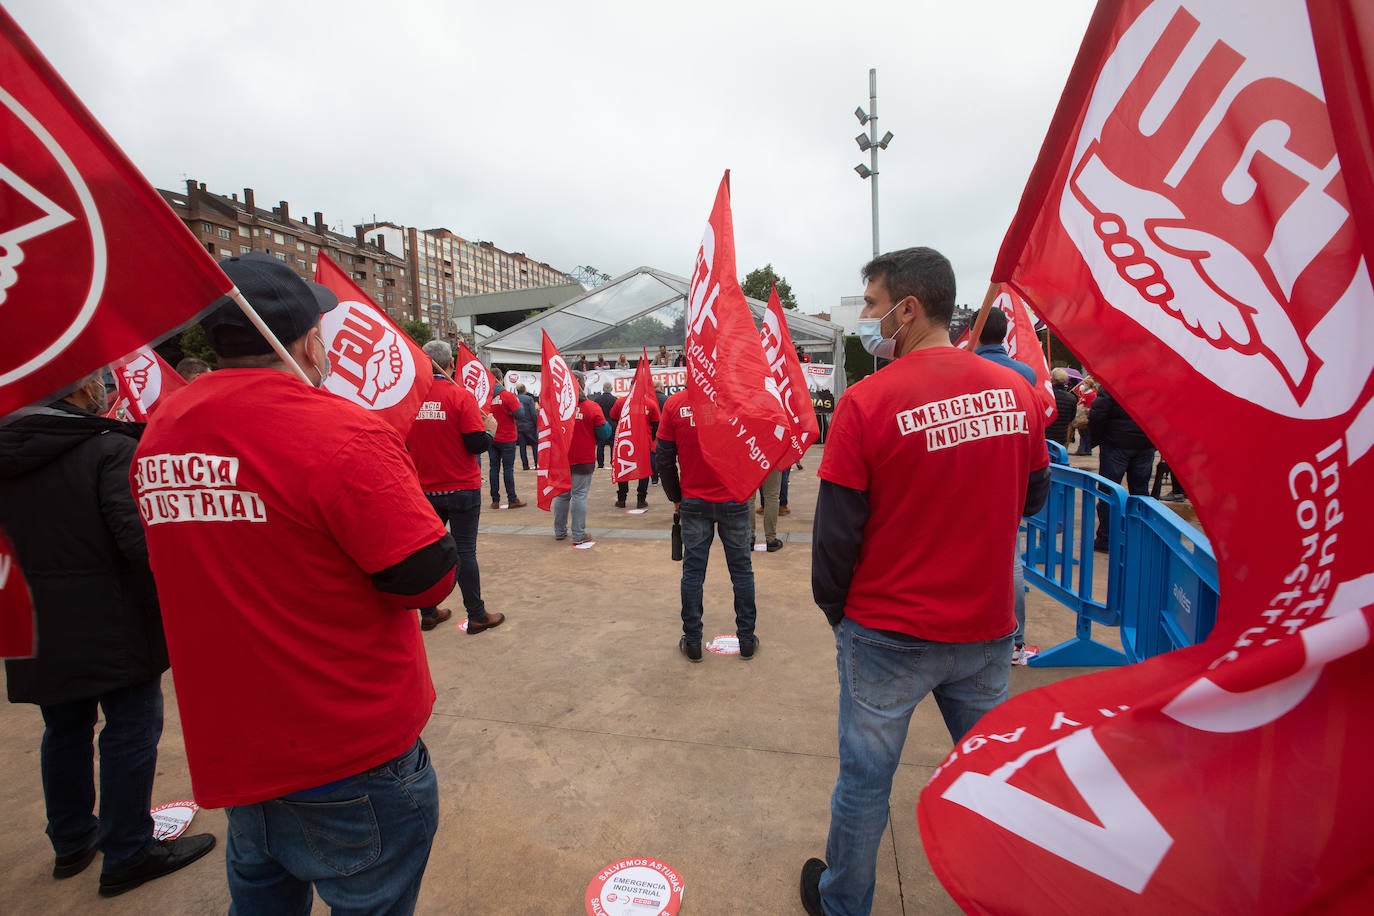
x=1207, y=200
x=370, y=364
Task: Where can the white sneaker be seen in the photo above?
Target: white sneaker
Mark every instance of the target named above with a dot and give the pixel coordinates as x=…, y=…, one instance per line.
x=1018, y=655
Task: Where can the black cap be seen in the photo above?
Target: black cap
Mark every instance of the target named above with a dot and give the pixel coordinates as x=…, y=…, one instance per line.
x=288, y=305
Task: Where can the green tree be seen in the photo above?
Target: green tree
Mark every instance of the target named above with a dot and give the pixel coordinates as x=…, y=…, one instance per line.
x=418, y=331
x=757, y=283
x=194, y=343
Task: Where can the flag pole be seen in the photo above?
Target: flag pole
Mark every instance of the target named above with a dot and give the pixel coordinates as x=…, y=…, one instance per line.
x=266, y=332
x=982, y=318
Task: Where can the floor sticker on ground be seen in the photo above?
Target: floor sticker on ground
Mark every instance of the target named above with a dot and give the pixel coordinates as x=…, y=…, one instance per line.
x=585, y=545
x=171, y=820
x=643, y=887
x=724, y=644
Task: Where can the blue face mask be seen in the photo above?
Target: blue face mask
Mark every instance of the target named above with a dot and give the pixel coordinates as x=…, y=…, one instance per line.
x=871, y=336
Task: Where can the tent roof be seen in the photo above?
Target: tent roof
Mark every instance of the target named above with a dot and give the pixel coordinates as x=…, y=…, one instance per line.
x=645, y=307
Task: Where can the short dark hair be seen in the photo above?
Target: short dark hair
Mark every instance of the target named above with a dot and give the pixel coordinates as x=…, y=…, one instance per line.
x=994, y=327
x=920, y=272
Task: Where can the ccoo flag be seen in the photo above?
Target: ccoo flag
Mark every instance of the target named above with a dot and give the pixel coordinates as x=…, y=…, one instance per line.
x=373, y=363
x=93, y=263
x=144, y=379
x=788, y=375
x=735, y=402
x=557, y=414
x=1197, y=227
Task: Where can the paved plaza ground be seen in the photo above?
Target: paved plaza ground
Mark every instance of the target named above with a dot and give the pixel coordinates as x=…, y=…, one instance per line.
x=575, y=735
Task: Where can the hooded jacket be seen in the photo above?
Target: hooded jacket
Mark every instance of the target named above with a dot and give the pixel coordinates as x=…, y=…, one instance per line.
x=67, y=505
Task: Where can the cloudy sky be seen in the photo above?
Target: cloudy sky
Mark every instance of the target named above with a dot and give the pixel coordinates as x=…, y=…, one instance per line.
x=593, y=132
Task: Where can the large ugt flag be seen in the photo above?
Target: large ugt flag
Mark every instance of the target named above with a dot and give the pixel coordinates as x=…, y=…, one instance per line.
x=1199, y=227
x=373, y=363
x=93, y=264
x=630, y=448
x=788, y=375
x=474, y=376
x=144, y=379
x=735, y=402
x=557, y=414
x=1023, y=345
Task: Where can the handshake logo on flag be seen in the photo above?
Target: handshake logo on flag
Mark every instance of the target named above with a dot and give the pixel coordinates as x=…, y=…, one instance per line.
x=369, y=363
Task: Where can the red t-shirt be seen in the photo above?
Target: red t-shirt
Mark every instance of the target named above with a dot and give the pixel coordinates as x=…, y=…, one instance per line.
x=586, y=421
x=267, y=505
x=504, y=407
x=650, y=407
x=699, y=480
x=436, y=439
x=942, y=442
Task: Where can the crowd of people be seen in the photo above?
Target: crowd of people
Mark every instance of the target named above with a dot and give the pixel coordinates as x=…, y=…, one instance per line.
x=221, y=539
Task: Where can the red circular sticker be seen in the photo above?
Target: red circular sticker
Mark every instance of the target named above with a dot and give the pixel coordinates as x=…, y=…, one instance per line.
x=635, y=887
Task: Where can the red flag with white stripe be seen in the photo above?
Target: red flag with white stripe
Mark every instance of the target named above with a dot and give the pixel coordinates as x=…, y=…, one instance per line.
x=1199, y=227
x=144, y=379
x=557, y=414
x=786, y=368
x=630, y=448
x=474, y=375
x=735, y=402
x=93, y=263
x=373, y=363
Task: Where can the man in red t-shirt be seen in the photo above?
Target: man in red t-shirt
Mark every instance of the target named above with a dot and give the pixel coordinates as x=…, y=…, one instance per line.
x=929, y=465
x=448, y=434
x=288, y=536
x=622, y=489
x=504, y=406
x=705, y=505
x=589, y=428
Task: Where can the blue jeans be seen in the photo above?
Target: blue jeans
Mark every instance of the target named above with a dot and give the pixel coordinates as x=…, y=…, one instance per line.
x=502, y=456
x=1018, y=585
x=128, y=760
x=576, y=498
x=461, y=510
x=700, y=519
x=362, y=842
x=1134, y=464
x=882, y=678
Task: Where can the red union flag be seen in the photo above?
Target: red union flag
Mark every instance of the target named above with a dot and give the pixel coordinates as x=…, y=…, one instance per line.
x=474, y=376
x=1197, y=228
x=17, y=630
x=373, y=363
x=92, y=262
x=788, y=375
x=735, y=402
x=630, y=448
x=557, y=413
x=1023, y=345
x=144, y=379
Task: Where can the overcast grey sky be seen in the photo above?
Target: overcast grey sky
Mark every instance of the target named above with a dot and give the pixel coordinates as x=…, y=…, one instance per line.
x=594, y=132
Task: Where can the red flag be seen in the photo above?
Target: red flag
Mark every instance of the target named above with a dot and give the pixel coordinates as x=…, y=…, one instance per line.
x=788, y=375
x=373, y=363
x=735, y=402
x=630, y=448
x=1194, y=228
x=18, y=632
x=557, y=413
x=474, y=376
x=144, y=379
x=93, y=263
x=1023, y=345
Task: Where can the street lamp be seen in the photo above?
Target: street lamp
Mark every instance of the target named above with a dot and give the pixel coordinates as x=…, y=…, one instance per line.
x=872, y=143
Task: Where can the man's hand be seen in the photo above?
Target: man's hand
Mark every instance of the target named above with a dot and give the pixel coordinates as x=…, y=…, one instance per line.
x=489, y=422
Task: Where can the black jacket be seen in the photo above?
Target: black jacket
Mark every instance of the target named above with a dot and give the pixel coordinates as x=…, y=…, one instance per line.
x=1110, y=425
x=66, y=502
x=1067, y=404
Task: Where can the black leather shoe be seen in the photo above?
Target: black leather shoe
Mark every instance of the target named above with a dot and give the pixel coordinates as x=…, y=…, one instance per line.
x=74, y=863
x=774, y=545
x=748, y=645
x=642, y=504
x=690, y=649
x=165, y=857
x=811, y=887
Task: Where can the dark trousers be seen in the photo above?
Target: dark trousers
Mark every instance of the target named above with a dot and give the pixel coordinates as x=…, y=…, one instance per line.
x=461, y=510
x=502, y=455
x=622, y=490
x=532, y=440
x=128, y=760
x=1134, y=464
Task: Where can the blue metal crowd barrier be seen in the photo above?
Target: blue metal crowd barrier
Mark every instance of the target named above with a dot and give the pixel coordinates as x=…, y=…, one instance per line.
x=1161, y=575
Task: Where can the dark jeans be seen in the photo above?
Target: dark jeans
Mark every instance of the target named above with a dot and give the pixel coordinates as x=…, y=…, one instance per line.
x=502, y=456
x=782, y=487
x=530, y=439
x=700, y=519
x=1134, y=464
x=601, y=453
x=461, y=510
x=128, y=760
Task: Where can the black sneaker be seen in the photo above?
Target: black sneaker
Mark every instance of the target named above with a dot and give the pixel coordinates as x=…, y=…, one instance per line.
x=620, y=504
x=642, y=504
x=811, y=887
x=165, y=857
x=774, y=545
x=690, y=649
x=70, y=864
x=748, y=645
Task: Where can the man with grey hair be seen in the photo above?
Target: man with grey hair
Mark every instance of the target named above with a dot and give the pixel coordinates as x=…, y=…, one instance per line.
x=448, y=434
x=605, y=400
x=1065, y=402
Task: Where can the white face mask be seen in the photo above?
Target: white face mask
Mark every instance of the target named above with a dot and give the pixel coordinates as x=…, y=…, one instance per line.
x=871, y=336
x=324, y=372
